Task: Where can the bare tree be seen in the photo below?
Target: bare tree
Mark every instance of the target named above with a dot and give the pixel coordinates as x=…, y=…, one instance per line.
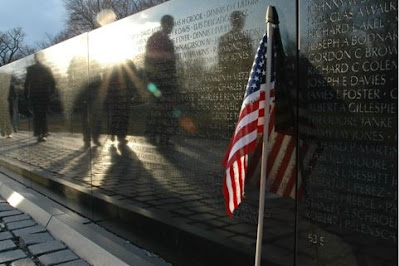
x=11, y=46
x=52, y=40
x=82, y=13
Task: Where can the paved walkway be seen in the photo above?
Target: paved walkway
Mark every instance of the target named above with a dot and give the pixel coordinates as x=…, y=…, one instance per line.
x=23, y=242
x=179, y=185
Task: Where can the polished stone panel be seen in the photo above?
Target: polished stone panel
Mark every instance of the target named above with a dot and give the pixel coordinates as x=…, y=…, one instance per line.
x=129, y=123
x=348, y=130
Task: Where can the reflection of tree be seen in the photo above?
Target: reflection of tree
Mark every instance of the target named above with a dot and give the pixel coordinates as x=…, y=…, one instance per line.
x=81, y=15
x=11, y=46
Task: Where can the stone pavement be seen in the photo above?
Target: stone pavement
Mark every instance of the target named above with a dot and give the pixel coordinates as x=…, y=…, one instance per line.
x=23, y=242
x=177, y=186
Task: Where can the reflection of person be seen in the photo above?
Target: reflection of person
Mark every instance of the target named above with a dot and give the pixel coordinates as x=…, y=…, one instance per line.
x=39, y=85
x=118, y=98
x=235, y=59
x=234, y=47
x=87, y=100
x=13, y=104
x=160, y=66
x=5, y=123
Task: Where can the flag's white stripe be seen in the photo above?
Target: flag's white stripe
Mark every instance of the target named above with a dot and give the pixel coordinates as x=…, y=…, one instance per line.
x=243, y=170
x=243, y=141
x=264, y=87
x=230, y=190
x=253, y=96
x=247, y=119
x=236, y=177
x=250, y=98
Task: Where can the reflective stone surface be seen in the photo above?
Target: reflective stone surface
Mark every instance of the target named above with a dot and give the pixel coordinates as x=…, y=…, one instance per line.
x=348, y=128
x=128, y=124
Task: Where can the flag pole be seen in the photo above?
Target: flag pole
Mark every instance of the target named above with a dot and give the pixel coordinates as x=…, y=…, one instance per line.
x=269, y=21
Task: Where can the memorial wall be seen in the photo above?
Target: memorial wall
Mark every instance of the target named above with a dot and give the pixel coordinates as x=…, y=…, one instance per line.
x=137, y=114
x=348, y=125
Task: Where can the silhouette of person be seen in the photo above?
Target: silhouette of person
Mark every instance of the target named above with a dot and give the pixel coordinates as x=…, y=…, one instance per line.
x=87, y=99
x=235, y=48
x=5, y=122
x=235, y=58
x=13, y=104
x=39, y=85
x=118, y=98
x=160, y=68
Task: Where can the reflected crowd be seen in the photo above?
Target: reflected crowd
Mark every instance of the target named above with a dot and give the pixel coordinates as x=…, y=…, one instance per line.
x=142, y=112
x=96, y=99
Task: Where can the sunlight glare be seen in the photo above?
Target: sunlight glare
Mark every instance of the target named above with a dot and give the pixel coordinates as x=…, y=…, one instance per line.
x=111, y=45
x=106, y=16
x=15, y=199
x=61, y=54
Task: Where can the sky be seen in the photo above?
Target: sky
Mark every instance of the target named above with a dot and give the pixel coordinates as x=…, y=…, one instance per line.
x=35, y=17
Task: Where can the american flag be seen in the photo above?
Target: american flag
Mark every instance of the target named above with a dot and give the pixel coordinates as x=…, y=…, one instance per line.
x=247, y=132
x=242, y=158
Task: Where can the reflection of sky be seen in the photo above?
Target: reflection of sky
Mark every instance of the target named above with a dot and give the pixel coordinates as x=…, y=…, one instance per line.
x=35, y=17
x=126, y=38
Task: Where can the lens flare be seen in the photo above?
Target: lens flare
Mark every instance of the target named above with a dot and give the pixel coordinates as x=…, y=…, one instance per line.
x=106, y=16
x=176, y=113
x=154, y=90
x=188, y=124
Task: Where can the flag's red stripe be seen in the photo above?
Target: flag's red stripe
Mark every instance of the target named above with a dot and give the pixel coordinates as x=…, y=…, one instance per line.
x=246, y=149
x=237, y=139
x=245, y=170
x=238, y=135
x=226, y=196
x=250, y=127
x=233, y=185
x=251, y=107
x=248, y=110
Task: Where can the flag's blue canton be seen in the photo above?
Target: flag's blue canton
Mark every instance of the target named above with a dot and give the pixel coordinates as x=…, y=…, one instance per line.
x=257, y=75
